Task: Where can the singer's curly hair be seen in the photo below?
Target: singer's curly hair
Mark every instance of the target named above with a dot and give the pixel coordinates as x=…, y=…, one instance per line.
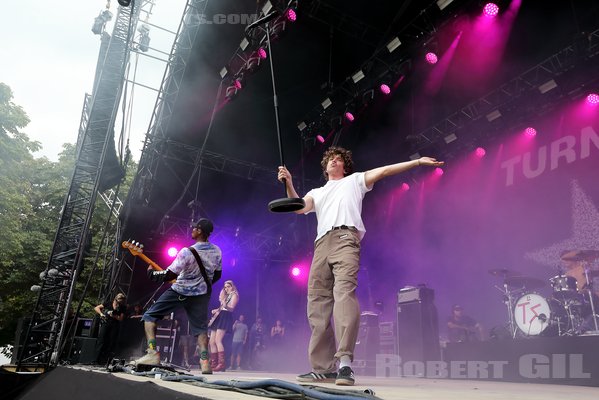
x=337, y=151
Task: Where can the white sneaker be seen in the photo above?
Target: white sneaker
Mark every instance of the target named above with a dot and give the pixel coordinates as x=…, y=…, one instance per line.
x=151, y=358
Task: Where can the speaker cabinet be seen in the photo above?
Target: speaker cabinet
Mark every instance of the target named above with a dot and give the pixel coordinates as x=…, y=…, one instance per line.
x=367, y=345
x=418, y=329
x=84, y=350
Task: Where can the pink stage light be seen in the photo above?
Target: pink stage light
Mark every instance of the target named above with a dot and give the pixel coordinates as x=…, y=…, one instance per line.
x=320, y=138
x=237, y=84
x=291, y=15
x=261, y=53
x=491, y=10
x=530, y=131
x=480, y=152
x=431, y=58
x=349, y=116
x=385, y=89
x=405, y=187
x=593, y=99
x=438, y=171
x=296, y=272
x=172, y=252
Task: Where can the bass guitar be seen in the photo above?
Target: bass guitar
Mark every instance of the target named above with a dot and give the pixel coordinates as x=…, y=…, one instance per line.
x=137, y=250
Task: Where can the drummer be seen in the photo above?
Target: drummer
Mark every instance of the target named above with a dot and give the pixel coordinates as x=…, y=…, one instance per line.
x=575, y=267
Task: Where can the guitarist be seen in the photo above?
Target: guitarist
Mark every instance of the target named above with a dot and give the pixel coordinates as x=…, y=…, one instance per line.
x=221, y=322
x=195, y=269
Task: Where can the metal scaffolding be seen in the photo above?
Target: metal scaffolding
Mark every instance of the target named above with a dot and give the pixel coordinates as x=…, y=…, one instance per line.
x=43, y=342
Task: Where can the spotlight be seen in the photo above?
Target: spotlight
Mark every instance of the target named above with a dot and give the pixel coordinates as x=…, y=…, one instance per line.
x=593, y=99
x=144, y=38
x=431, y=58
x=326, y=103
x=443, y=3
x=530, y=131
x=301, y=126
x=124, y=3
x=320, y=138
x=349, y=116
x=405, y=187
x=358, y=76
x=296, y=271
x=291, y=15
x=262, y=53
x=490, y=10
x=438, y=171
x=385, y=89
x=480, y=152
x=223, y=72
x=172, y=252
x=100, y=22
x=394, y=44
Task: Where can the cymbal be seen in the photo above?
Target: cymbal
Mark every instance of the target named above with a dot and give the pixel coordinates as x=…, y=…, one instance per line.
x=581, y=255
x=524, y=282
x=502, y=272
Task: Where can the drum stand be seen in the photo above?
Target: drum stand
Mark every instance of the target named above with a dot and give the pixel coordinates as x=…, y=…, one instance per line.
x=591, y=300
x=508, y=300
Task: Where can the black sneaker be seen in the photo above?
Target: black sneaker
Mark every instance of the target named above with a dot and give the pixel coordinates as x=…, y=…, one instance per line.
x=315, y=377
x=345, y=377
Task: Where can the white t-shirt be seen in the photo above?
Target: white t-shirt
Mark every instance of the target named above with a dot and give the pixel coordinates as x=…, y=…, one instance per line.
x=339, y=202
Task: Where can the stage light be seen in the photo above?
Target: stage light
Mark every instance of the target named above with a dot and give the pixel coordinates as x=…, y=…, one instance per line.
x=431, y=58
x=266, y=7
x=443, y=3
x=593, y=99
x=358, y=76
x=480, y=152
x=172, y=252
x=244, y=44
x=438, y=171
x=547, y=86
x=530, y=131
x=144, y=38
x=405, y=187
x=320, y=138
x=296, y=272
x=490, y=10
x=385, y=89
x=291, y=15
x=223, y=72
x=349, y=116
x=394, y=44
x=450, y=138
x=262, y=53
x=301, y=126
x=493, y=115
x=124, y=3
x=326, y=103
x=100, y=22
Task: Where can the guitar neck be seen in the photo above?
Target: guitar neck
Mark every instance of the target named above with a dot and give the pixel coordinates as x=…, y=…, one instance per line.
x=152, y=263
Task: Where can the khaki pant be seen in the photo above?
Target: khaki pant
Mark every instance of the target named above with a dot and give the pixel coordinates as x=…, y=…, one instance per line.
x=332, y=291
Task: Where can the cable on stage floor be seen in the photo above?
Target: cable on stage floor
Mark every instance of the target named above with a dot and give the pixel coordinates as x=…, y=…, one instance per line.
x=277, y=389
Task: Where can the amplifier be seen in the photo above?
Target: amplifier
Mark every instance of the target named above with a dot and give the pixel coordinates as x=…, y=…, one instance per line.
x=411, y=294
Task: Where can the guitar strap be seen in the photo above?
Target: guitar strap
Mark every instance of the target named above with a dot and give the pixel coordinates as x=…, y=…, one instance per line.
x=202, y=269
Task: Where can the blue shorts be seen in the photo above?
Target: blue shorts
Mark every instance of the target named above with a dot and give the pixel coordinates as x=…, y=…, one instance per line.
x=236, y=348
x=196, y=308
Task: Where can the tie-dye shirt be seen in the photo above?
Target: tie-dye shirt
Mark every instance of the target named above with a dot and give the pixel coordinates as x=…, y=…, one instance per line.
x=189, y=277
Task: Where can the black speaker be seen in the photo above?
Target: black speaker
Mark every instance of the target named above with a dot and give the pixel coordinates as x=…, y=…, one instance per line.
x=367, y=345
x=418, y=329
x=84, y=350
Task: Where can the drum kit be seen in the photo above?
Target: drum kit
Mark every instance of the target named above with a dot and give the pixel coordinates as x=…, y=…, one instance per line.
x=571, y=308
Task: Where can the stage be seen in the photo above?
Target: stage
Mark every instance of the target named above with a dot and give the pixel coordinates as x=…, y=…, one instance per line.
x=94, y=383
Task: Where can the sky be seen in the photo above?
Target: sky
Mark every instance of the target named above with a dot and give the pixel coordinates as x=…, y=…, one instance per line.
x=48, y=57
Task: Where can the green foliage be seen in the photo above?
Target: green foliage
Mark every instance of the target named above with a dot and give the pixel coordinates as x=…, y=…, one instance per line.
x=32, y=193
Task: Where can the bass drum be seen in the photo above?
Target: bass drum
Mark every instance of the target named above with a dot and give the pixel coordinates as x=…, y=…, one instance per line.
x=534, y=315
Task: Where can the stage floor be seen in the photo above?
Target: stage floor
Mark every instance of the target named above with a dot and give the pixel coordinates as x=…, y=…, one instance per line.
x=389, y=388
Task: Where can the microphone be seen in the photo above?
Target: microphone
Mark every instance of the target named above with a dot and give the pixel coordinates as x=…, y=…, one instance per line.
x=267, y=18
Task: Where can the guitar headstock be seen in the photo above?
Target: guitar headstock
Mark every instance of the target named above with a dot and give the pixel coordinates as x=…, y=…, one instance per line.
x=134, y=248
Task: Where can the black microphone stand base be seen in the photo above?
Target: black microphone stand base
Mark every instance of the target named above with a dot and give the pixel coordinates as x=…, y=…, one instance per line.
x=286, y=204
